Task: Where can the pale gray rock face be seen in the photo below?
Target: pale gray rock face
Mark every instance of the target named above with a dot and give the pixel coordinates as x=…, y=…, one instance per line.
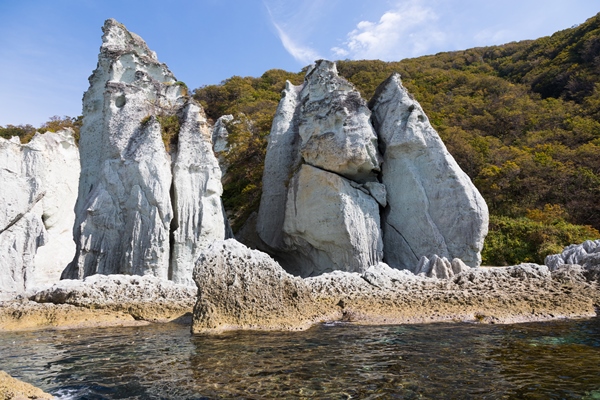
x=319, y=209
x=197, y=195
x=36, y=215
x=586, y=254
x=281, y=160
x=433, y=207
x=440, y=267
x=332, y=224
x=125, y=213
x=334, y=128
x=220, y=142
x=220, y=134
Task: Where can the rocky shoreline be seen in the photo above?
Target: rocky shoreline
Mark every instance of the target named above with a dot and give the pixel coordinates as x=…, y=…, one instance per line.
x=14, y=389
x=242, y=288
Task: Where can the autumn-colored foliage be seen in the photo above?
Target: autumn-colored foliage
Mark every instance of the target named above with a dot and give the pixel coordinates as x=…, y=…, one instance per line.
x=522, y=120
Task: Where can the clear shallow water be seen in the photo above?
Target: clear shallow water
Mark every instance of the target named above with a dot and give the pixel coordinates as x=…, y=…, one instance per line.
x=556, y=360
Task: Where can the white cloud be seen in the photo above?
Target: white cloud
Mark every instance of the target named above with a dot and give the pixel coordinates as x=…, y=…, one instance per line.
x=303, y=54
x=404, y=31
x=292, y=27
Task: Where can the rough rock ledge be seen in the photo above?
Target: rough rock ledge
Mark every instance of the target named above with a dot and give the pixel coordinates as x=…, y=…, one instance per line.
x=241, y=288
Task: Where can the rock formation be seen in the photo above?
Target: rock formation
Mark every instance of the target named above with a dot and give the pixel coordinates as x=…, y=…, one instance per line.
x=239, y=288
x=433, y=207
x=317, y=213
x=15, y=389
x=36, y=218
x=327, y=196
x=146, y=203
x=144, y=297
x=586, y=254
x=220, y=136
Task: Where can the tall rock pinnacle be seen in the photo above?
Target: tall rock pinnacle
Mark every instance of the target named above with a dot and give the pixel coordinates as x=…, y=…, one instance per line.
x=136, y=213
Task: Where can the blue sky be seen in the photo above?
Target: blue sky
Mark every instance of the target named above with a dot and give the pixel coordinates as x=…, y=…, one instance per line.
x=48, y=48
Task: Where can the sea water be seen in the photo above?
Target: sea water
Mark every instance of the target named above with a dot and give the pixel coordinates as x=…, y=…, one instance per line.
x=551, y=360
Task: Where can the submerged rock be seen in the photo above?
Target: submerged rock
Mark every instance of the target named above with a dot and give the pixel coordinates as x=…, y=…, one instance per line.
x=146, y=203
x=36, y=218
x=433, y=207
x=317, y=213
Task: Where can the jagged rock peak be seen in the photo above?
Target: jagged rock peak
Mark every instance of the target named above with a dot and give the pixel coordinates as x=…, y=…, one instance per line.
x=317, y=211
x=334, y=126
x=118, y=40
x=586, y=254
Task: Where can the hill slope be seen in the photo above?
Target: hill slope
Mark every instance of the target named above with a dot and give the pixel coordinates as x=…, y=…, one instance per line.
x=522, y=120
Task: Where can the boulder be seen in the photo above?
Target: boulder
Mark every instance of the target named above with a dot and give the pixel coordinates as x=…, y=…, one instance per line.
x=319, y=208
x=36, y=218
x=240, y=288
x=440, y=267
x=433, y=208
x=150, y=184
x=331, y=224
x=586, y=254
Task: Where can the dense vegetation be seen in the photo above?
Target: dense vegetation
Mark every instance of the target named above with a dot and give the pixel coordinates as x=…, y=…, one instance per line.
x=252, y=101
x=522, y=120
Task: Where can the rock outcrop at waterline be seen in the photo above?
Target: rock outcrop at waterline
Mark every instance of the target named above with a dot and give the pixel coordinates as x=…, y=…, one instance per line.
x=327, y=196
x=100, y=300
x=239, y=288
x=149, y=199
x=39, y=189
x=14, y=389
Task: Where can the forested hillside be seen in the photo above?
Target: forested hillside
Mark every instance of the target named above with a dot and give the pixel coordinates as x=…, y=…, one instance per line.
x=522, y=120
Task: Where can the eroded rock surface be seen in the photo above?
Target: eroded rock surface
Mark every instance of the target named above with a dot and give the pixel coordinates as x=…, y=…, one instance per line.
x=317, y=213
x=240, y=288
x=146, y=201
x=220, y=140
x=433, y=207
x=14, y=389
x=36, y=210
x=586, y=254
x=144, y=297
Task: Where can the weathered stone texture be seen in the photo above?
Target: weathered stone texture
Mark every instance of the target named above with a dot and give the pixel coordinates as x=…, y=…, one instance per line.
x=433, y=207
x=36, y=215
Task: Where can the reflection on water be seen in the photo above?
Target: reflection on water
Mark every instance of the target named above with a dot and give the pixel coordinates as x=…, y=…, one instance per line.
x=532, y=361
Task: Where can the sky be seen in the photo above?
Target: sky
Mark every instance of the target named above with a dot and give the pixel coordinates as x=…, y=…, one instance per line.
x=49, y=48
